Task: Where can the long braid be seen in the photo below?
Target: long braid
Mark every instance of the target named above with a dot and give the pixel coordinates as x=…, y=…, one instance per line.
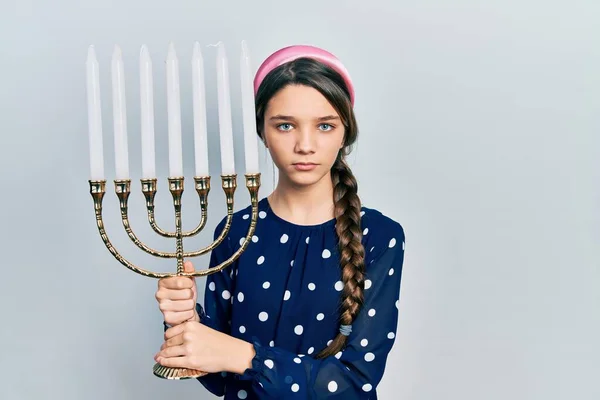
x=347, y=207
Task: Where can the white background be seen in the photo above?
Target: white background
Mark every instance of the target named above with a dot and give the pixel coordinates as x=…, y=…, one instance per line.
x=478, y=133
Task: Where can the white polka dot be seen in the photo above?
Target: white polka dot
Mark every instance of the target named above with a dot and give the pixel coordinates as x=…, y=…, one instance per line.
x=320, y=316
x=311, y=286
x=292, y=263
x=332, y=386
x=372, y=312
x=366, y=231
x=362, y=213
x=260, y=260
x=402, y=245
x=367, y=387
x=391, y=335
x=254, y=238
x=368, y=283
x=329, y=342
x=284, y=238
x=242, y=329
x=300, y=355
x=372, y=248
x=391, y=272
x=246, y=216
x=392, y=243
x=242, y=394
x=364, y=342
x=338, y=355
x=266, y=285
x=261, y=385
x=369, y=357
x=307, y=240
x=295, y=387
x=299, y=329
x=339, y=285
x=269, y=363
x=262, y=215
x=326, y=254
x=240, y=297
x=398, y=304
x=297, y=360
x=287, y=295
x=272, y=343
x=311, y=350
x=242, y=240
x=226, y=295
x=263, y=316
x=211, y=286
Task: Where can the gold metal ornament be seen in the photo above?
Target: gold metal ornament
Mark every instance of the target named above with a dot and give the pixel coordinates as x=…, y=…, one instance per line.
x=176, y=184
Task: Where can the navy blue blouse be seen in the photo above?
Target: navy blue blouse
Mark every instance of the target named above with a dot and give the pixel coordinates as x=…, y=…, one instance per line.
x=283, y=295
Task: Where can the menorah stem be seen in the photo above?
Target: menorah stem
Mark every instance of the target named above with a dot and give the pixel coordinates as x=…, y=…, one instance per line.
x=179, y=240
x=176, y=189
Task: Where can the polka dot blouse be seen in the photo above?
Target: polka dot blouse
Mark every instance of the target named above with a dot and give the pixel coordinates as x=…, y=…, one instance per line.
x=283, y=294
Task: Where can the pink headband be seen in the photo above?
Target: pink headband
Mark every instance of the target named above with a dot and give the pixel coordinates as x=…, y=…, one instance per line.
x=290, y=53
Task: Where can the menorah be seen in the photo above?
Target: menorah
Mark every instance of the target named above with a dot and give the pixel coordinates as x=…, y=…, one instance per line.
x=122, y=183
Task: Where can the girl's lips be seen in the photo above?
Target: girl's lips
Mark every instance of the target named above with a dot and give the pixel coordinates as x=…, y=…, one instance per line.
x=305, y=166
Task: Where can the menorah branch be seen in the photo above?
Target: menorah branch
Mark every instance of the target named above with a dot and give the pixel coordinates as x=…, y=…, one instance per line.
x=122, y=188
x=253, y=185
x=149, y=189
x=97, y=190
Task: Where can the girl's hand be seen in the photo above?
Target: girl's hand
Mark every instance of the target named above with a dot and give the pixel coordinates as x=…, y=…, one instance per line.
x=177, y=297
x=195, y=346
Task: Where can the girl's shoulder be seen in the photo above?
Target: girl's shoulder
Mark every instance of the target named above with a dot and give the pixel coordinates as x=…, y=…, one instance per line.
x=374, y=221
x=380, y=232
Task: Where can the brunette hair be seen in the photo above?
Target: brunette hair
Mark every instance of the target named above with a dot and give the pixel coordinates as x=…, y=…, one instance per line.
x=312, y=73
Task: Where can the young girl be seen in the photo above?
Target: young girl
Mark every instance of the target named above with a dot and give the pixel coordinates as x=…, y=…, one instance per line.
x=310, y=309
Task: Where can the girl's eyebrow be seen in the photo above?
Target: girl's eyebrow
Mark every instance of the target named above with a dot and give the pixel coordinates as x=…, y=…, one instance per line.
x=290, y=118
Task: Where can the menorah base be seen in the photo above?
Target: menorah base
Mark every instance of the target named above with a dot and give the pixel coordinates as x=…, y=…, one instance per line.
x=176, y=373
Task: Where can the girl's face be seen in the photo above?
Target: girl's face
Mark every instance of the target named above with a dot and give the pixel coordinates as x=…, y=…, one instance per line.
x=303, y=133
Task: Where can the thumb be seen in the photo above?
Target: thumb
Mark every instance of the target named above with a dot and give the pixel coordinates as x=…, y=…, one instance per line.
x=188, y=266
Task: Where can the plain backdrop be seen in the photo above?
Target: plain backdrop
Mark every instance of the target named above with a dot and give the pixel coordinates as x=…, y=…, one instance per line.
x=479, y=133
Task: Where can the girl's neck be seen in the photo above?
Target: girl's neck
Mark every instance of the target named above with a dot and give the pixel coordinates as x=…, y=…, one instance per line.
x=303, y=205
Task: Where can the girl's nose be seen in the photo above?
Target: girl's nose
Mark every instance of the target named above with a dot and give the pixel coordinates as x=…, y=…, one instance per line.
x=305, y=141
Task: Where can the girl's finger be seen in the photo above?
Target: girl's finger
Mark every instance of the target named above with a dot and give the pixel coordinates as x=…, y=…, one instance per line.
x=175, y=294
x=174, y=341
x=176, y=362
x=173, y=351
x=176, y=318
x=177, y=305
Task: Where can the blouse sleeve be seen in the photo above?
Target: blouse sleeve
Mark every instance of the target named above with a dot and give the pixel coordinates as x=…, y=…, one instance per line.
x=356, y=370
x=216, y=313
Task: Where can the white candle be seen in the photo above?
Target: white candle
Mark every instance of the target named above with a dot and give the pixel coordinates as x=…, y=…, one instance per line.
x=199, y=98
x=249, y=113
x=94, y=117
x=119, y=116
x=147, y=114
x=174, y=113
x=225, y=128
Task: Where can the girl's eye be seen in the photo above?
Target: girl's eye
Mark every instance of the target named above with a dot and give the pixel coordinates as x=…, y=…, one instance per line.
x=327, y=125
x=281, y=127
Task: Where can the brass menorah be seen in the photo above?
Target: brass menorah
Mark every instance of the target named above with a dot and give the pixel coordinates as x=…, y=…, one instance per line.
x=149, y=188
x=122, y=182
